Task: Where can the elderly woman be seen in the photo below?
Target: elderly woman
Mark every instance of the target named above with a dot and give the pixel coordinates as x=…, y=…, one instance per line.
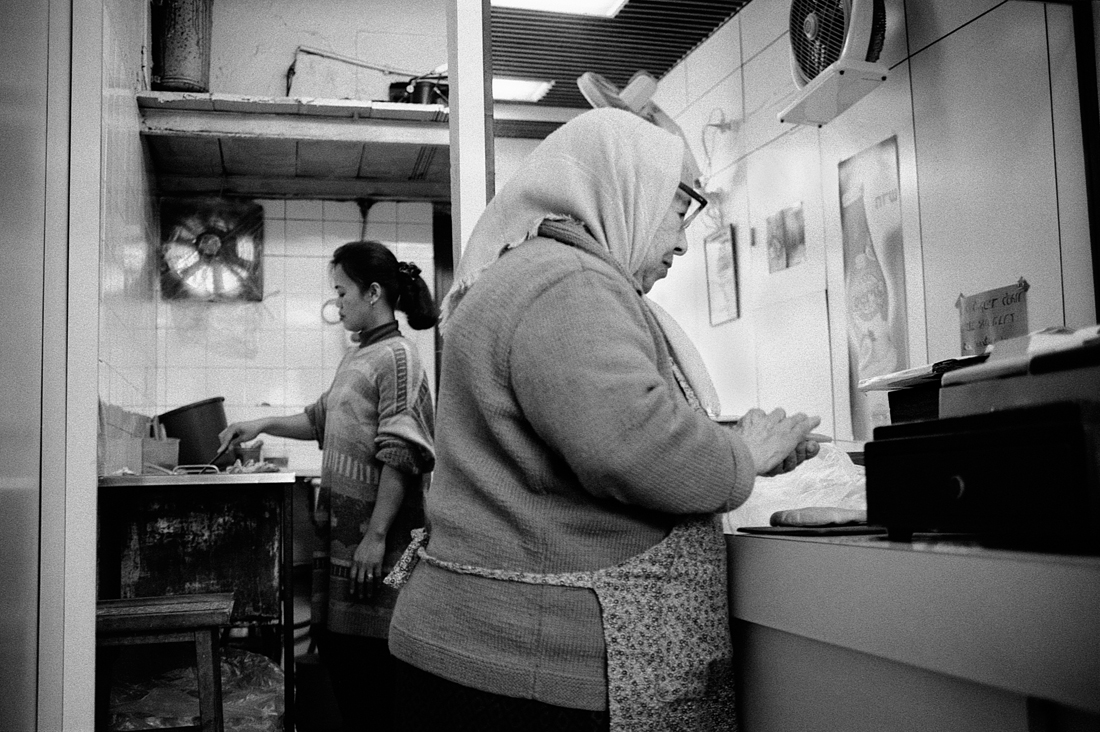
x=574, y=577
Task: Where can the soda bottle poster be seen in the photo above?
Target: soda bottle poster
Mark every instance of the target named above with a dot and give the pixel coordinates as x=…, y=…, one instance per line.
x=874, y=277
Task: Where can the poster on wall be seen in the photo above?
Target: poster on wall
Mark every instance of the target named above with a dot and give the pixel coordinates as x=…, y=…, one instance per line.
x=786, y=238
x=874, y=277
x=723, y=283
x=992, y=316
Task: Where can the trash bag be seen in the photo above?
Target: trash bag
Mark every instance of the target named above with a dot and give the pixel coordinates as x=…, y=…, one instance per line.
x=829, y=479
x=252, y=696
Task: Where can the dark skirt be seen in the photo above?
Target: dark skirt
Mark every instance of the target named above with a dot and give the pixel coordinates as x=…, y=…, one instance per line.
x=361, y=673
x=428, y=703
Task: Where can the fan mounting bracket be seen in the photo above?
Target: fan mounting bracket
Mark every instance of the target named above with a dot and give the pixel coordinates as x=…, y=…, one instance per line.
x=835, y=89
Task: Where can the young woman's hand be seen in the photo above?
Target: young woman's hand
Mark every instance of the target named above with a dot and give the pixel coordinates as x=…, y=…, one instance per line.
x=778, y=443
x=366, y=568
x=239, y=432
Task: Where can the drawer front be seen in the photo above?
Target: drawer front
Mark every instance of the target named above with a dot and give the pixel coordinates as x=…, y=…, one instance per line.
x=1023, y=484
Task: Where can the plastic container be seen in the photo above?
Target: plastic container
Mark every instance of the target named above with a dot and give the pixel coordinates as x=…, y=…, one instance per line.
x=197, y=426
x=252, y=453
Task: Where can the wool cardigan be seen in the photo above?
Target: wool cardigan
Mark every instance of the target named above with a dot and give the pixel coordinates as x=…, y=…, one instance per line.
x=564, y=443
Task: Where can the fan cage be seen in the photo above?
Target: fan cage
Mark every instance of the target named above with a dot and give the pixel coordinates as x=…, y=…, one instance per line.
x=212, y=250
x=818, y=30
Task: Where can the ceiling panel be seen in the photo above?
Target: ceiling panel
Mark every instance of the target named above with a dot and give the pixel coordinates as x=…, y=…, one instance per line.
x=263, y=157
x=200, y=156
x=329, y=158
x=389, y=161
x=646, y=35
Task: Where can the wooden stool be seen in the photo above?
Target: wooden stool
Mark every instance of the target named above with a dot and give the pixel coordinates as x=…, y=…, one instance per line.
x=168, y=619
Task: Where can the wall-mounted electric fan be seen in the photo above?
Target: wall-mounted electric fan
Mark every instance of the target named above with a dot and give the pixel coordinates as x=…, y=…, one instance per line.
x=635, y=97
x=211, y=249
x=835, y=46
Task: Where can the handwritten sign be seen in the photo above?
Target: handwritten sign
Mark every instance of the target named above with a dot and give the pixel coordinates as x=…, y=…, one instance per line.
x=992, y=316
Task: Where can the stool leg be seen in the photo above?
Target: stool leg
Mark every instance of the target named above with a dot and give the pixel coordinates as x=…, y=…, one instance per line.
x=210, y=680
x=104, y=667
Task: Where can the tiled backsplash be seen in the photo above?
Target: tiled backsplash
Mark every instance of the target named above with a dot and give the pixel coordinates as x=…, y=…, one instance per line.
x=276, y=356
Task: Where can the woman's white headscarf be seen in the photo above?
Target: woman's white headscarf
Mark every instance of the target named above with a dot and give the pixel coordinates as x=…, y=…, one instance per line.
x=615, y=172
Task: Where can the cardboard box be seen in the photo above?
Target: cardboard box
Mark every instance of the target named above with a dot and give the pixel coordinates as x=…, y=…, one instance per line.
x=118, y=453
x=163, y=453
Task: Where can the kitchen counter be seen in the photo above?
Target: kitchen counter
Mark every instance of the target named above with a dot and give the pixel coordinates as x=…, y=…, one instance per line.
x=860, y=633
x=194, y=480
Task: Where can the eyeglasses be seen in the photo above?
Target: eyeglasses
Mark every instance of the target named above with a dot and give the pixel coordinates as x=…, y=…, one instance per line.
x=698, y=203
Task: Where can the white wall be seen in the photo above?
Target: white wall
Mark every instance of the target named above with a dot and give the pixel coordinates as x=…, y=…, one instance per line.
x=127, y=322
x=982, y=98
x=25, y=284
x=509, y=152
x=254, y=43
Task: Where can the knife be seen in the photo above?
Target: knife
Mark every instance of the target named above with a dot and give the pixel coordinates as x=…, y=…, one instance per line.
x=221, y=451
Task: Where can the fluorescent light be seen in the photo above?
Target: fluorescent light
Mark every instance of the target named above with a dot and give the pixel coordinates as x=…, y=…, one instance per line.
x=519, y=90
x=604, y=8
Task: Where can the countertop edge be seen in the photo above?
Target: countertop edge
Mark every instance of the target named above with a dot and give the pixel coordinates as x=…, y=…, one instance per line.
x=1025, y=623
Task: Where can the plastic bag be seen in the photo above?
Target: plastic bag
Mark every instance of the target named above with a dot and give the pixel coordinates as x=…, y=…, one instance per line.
x=830, y=479
x=252, y=696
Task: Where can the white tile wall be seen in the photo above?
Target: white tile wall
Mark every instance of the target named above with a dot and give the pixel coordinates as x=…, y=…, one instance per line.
x=790, y=336
x=277, y=356
x=714, y=59
x=928, y=22
x=988, y=188
x=762, y=22
x=990, y=184
x=127, y=325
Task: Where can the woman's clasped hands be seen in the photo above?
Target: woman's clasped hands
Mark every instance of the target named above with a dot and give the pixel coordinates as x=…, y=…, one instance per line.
x=778, y=443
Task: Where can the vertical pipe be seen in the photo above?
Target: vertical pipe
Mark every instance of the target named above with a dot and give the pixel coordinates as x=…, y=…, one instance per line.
x=1085, y=44
x=469, y=70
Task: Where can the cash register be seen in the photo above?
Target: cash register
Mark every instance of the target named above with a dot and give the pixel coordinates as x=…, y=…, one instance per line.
x=1013, y=457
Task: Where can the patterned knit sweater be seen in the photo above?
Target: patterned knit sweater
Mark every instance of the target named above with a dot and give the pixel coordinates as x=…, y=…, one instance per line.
x=377, y=411
x=564, y=444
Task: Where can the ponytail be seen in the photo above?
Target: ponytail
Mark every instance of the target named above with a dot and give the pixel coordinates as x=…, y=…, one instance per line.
x=414, y=298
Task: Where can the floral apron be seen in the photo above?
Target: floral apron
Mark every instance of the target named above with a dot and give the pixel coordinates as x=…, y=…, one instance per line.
x=665, y=623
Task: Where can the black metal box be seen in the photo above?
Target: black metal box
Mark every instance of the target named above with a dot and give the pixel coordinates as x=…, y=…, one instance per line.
x=1024, y=478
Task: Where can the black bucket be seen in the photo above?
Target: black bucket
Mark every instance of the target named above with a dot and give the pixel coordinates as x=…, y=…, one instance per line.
x=429, y=91
x=197, y=426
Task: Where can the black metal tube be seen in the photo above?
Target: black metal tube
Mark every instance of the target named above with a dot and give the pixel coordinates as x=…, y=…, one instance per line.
x=1083, y=34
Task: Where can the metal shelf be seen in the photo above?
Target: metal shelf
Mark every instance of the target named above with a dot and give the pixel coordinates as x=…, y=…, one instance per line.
x=288, y=147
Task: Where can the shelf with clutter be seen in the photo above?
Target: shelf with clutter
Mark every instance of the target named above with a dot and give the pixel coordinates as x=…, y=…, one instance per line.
x=295, y=147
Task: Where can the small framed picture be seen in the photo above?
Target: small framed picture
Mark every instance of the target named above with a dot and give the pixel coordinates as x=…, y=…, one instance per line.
x=786, y=238
x=723, y=280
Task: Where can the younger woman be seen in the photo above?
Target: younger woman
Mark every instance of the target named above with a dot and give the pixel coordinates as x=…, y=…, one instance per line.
x=374, y=426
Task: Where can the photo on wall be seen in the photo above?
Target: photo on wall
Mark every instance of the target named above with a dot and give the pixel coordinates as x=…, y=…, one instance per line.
x=786, y=238
x=723, y=280
x=874, y=277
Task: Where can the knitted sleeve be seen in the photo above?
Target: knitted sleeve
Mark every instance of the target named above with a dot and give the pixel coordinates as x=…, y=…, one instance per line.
x=405, y=412
x=586, y=372
x=315, y=413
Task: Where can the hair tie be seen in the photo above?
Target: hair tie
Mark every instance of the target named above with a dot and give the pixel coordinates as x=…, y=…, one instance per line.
x=408, y=269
